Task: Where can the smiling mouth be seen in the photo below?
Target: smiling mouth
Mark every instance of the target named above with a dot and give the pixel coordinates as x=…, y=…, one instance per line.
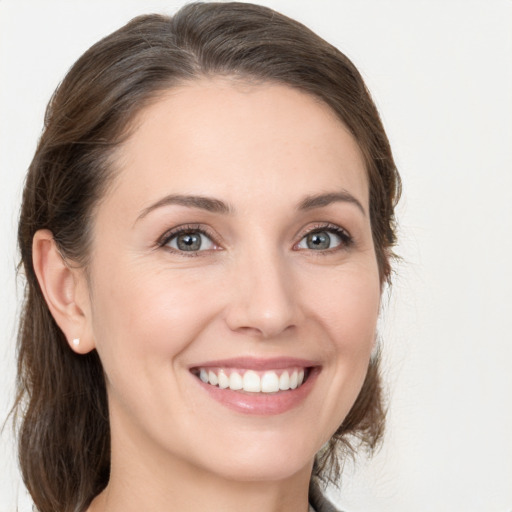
x=251, y=381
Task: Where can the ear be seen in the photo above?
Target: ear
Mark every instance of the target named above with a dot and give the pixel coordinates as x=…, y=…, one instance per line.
x=65, y=290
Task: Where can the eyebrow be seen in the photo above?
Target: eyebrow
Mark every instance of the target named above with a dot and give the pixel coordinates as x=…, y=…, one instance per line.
x=321, y=200
x=213, y=205
x=203, y=203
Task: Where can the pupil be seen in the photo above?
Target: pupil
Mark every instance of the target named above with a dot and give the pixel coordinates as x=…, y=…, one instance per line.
x=318, y=241
x=189, y=242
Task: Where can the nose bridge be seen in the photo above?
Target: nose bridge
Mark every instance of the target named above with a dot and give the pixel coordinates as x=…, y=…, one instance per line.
x=263, y=299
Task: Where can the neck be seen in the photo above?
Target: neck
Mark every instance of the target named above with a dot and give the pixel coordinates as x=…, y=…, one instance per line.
x=191, y=497
x=202, y=492
x=144, y=478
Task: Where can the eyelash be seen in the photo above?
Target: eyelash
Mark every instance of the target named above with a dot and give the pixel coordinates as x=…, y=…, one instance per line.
x=187, y=228
x=347, y=240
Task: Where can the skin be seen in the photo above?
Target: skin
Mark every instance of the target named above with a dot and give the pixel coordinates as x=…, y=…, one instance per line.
x=257, y=290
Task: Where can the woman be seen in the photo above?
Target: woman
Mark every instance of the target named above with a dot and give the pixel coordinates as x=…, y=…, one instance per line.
x=206, y=230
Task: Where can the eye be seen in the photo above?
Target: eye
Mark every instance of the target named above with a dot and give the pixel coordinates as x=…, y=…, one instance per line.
x=190, y=240
x=325, y=239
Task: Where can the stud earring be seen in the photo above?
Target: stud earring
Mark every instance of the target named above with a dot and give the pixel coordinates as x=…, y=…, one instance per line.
x=76, y=342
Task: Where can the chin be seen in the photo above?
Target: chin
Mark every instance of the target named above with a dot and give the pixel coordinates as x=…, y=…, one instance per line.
x=269, y=469
x=265, y=458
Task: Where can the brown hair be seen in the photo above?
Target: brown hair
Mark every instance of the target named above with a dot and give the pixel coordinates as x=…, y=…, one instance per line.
x=64, y=443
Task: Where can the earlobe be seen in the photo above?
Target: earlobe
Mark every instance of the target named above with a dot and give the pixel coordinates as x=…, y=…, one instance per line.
x=64, y=290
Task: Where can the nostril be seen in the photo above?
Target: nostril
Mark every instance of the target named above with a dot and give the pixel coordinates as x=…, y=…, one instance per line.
x=264, y=331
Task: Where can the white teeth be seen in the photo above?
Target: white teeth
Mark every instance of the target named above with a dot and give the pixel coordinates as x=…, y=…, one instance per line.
x=253, y=382
x=223, y=380
x=212, y=377
x=270, y=382
x=235, y=381
x=294, y=380
x=284, y=381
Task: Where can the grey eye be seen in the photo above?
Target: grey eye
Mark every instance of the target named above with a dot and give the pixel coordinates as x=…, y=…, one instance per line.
x=190, y=241
x=320, y=241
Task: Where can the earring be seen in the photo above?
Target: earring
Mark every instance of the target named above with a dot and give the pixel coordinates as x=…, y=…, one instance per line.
x=76, y=342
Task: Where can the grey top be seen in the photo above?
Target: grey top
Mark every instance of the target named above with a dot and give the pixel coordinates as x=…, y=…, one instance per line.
x=317, y=501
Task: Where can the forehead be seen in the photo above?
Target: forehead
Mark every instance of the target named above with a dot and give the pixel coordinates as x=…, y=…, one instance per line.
x=226, y=138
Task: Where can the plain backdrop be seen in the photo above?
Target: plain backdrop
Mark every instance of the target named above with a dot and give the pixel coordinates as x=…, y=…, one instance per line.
x=441, y=75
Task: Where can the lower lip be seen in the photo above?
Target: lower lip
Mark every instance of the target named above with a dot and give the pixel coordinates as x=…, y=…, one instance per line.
x=262, y=404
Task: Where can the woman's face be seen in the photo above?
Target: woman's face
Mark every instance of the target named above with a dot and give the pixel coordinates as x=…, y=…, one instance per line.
x=234, y=249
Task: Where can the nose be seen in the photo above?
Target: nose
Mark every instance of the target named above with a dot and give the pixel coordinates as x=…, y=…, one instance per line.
x=263, y=298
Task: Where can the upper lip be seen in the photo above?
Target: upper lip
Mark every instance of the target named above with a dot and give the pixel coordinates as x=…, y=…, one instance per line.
x=255, y=363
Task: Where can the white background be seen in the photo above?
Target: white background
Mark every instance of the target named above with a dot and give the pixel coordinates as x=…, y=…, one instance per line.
x=441, y=75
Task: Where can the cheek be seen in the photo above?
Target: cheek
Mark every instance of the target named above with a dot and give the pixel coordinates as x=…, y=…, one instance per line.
x=144, y=315
x=347, y=308
x=346, y=303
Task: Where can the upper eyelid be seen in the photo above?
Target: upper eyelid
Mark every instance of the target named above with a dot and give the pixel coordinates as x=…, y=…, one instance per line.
x=347, y=240
x=183, y=228
x=323, y=226
x=217, y=239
